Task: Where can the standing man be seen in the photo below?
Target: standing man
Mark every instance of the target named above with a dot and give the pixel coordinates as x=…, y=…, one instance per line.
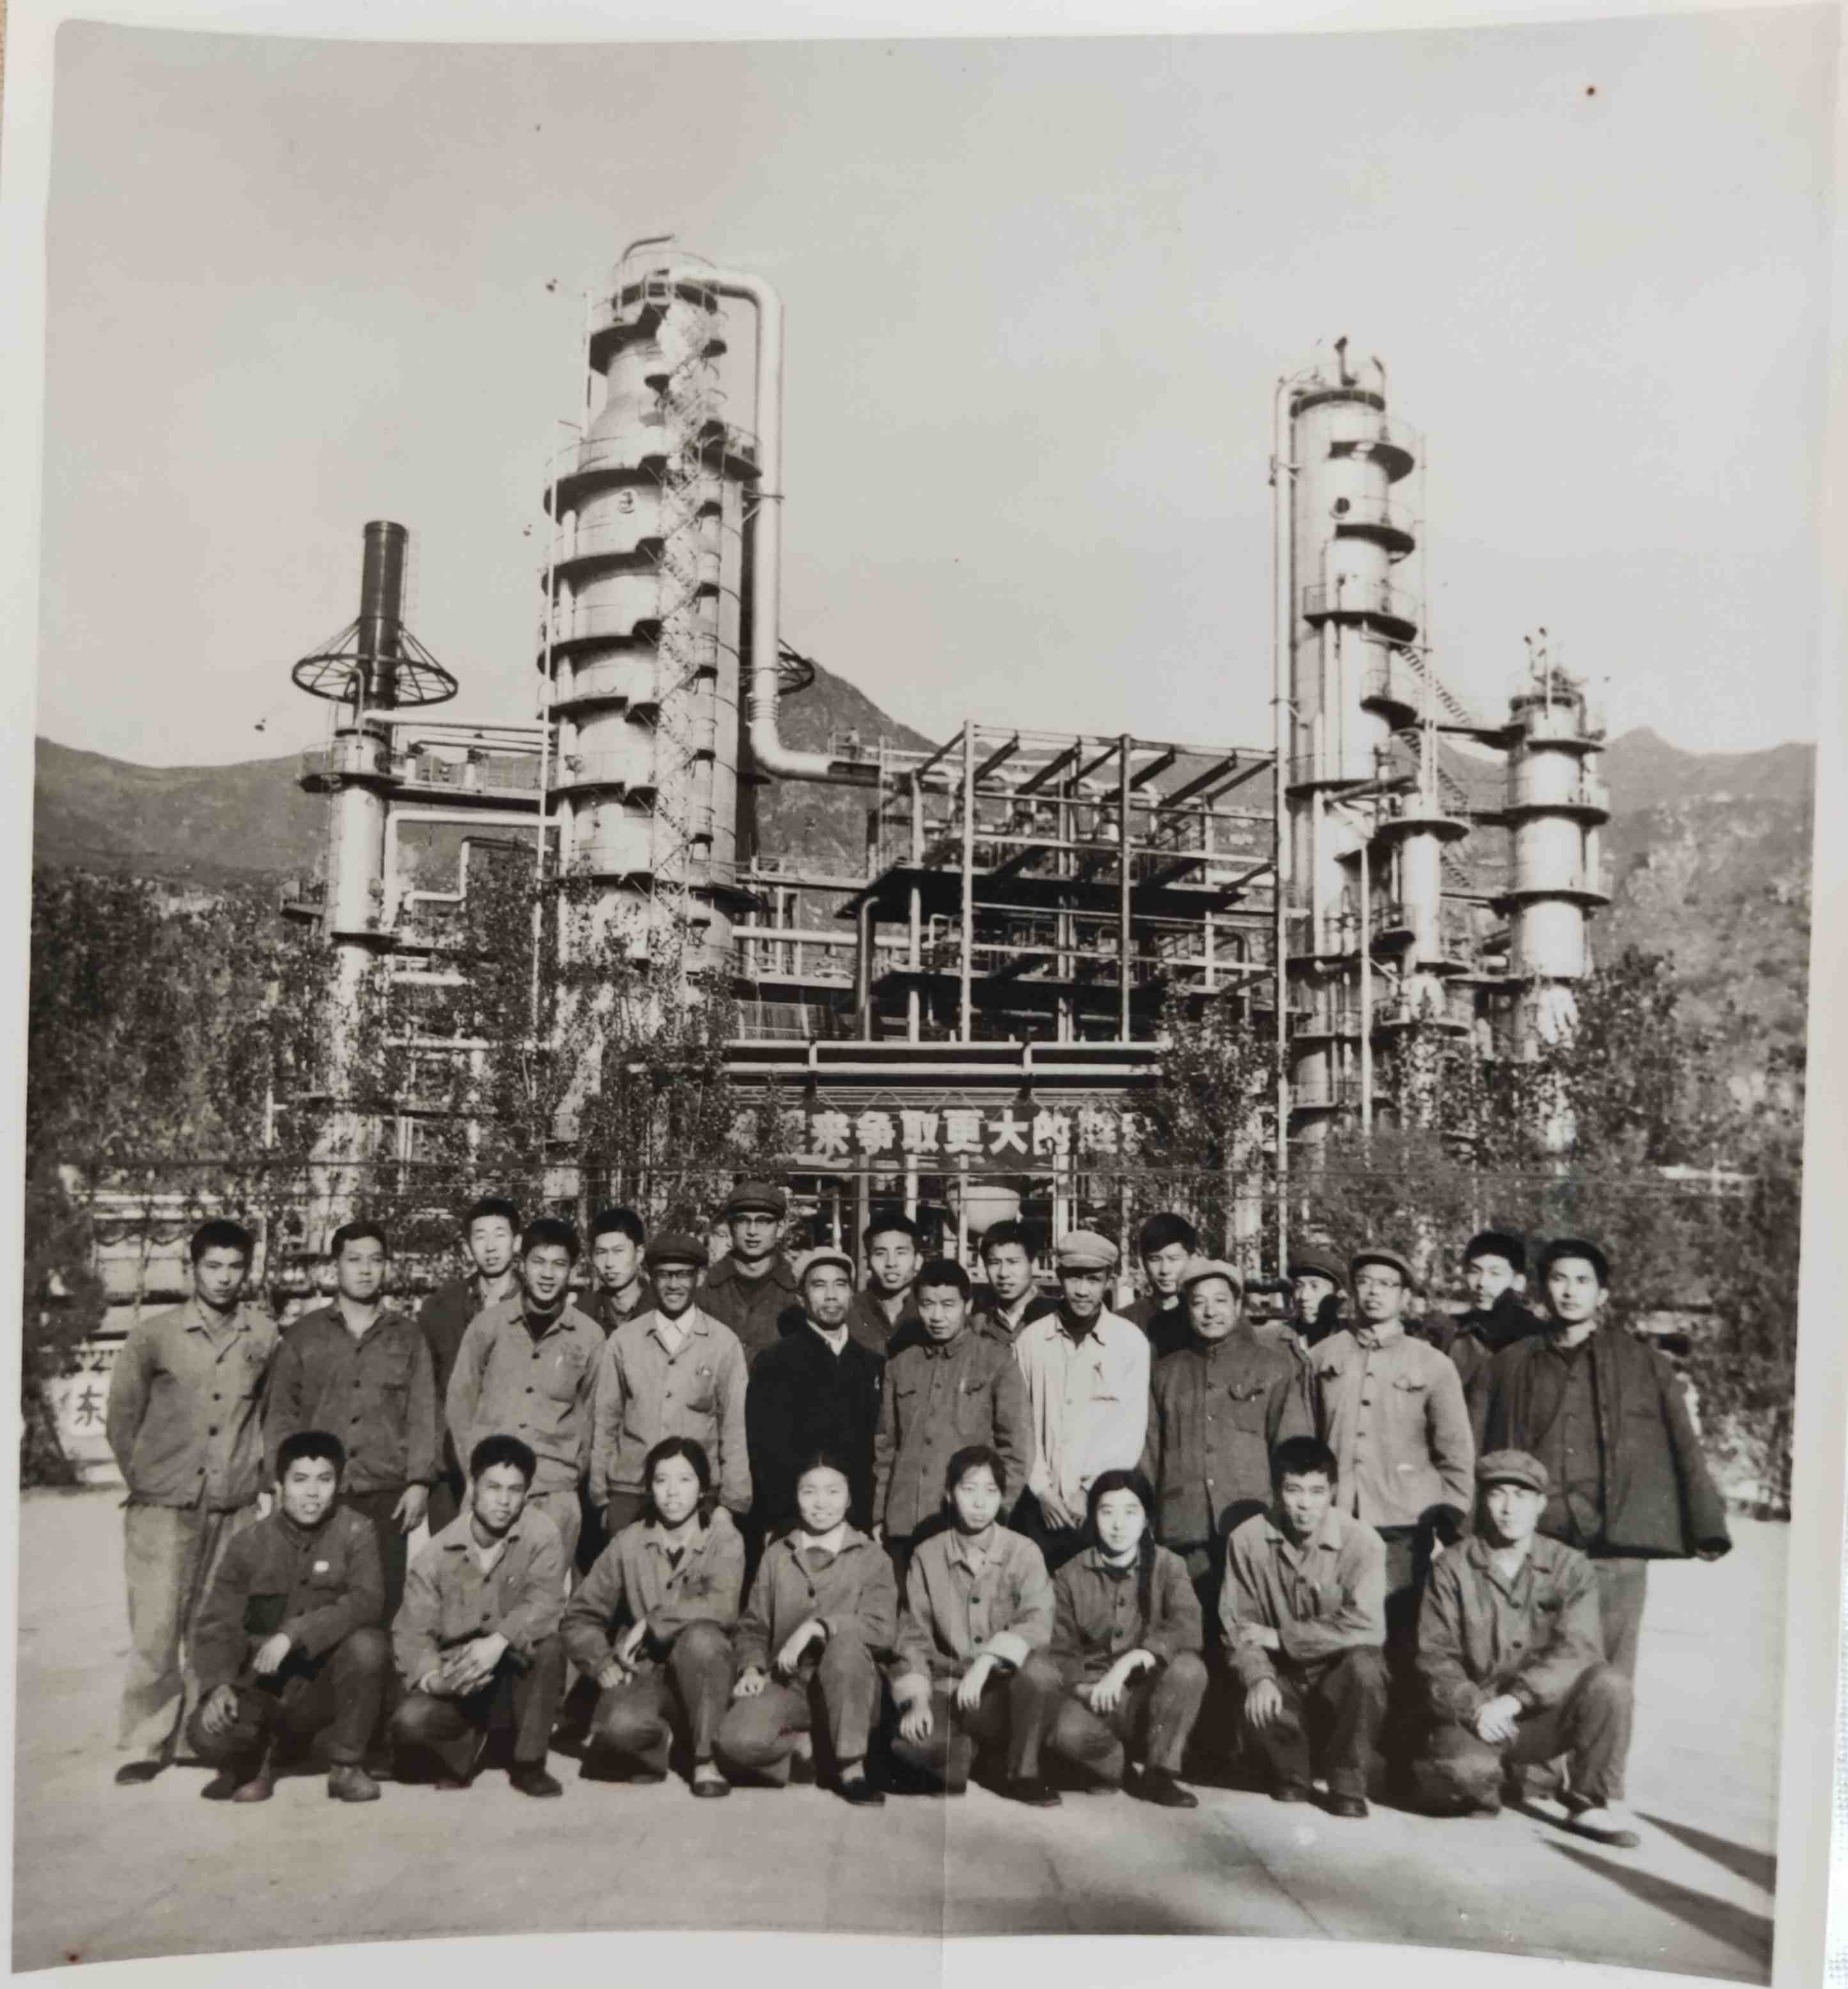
x=1303, y=1612
x=1627, y=1482
x=289, y=1642
x=1167, y=1244
x=817, y=1389
x=620, y=1288
x=1009, y=1300
x=526, y=1368
x=1511, y=1655
x=1086, y=1373
x=185, y=1425
x=673, y=1370
x=361, y=1369
x=884, y=1316
x=1494, y=1269
x=1391, y=1408
x=751, y=1289
x=1317, y=1281
x=953, y=1388
x=490, y=1233
x=476, y=1642
x=1217, y=1407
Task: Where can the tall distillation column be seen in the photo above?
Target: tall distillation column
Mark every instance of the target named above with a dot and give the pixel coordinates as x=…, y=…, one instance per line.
x=1351, y=684
x=647, y=579
x=1555, y=809
x=373, y=667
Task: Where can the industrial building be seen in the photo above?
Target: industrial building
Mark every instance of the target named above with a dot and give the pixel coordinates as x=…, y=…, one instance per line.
x=965, y=1020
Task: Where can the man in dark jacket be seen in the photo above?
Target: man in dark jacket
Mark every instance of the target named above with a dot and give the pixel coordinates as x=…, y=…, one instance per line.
x=1167, y=1244
x=1009, y=1300
x=1494, y=1269
x=884, y=1315
x=817, y=1389
x=751, y=1289
x=289, y=1644
x=1605, y=1415
x=620, y=1286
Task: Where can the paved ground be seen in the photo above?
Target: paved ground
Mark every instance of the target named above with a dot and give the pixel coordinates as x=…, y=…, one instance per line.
x=106, y=1874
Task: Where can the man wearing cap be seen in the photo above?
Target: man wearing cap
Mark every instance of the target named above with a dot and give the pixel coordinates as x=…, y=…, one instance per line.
x=1391, y=1408
x=1511, y=1654
x=1494, y=1268
x=1318, y=1282
x=1087, y=1371
x=1167, y=1245
x=751, y=1289
x=816, y=1389
x=673, y=1370
x=1627, y=1482
x=1217, y=1408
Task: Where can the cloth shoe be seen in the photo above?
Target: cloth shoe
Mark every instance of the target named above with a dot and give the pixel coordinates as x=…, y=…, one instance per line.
x=1160, y=1787
x=131, y=1774
x=348, y=1782
x=532, y=1778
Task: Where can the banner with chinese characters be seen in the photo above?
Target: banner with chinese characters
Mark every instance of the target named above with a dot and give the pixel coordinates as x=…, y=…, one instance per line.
x=79, y=1402
x=942, y=1139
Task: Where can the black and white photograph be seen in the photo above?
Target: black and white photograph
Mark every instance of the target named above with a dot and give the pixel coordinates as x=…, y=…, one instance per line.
x=920, y=952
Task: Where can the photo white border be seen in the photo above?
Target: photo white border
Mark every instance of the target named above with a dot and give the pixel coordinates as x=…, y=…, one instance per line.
x=1814, y=1620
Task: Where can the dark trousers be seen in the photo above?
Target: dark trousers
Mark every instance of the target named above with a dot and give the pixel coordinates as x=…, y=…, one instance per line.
x=1332, y=1713
x=451, y=1731
x=839, y=1696
x=1010, y=1714
x=445, y=1500
x=688, y=1694
x=621, y=1510
x=1623, y=1589
x=393, y=1543
x=1058, y=1544
x=334, y=1698
x=1591, y=1725
x=1152, y=1720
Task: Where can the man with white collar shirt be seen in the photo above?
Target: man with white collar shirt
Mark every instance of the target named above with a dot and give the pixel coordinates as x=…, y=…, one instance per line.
x=1087, y=1371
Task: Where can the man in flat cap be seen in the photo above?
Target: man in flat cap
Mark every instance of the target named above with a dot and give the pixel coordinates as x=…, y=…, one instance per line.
x=1628, y=1482
x=1494, y=1271
x=817, y=1389
x=1317, y=1280
x=751, y=1289
x=1087, y=1371
x=1391, y=1408
x=1510, y=1653
x=1218, y=1407
x=671, y=1371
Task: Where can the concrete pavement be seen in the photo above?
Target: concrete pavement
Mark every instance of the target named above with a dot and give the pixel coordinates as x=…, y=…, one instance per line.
x=102, y=1873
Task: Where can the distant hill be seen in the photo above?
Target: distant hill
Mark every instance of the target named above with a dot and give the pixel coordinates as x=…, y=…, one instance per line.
x=1711, y=850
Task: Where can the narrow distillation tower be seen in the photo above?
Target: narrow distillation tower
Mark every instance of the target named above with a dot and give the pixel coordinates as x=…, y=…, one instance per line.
x=372, y=669
x=1348, y=623
x=1556, y=806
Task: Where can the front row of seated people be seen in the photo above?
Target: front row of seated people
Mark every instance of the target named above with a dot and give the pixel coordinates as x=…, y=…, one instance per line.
x=1102, y=1670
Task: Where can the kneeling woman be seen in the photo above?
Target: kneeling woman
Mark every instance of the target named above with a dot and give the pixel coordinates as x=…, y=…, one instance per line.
x=1127, y=1638
x=822, y=1613
x=651, y=1622
x=977, y=1616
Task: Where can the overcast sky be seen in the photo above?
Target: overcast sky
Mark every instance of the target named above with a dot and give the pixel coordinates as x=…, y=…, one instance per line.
x=1038, y=295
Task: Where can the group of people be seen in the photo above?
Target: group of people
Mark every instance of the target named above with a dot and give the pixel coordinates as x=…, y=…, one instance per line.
x=773, y=1522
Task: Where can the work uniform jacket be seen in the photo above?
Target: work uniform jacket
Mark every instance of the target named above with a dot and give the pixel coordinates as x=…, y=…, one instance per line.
x=1097, y=1616
x=939, y=1399
x=376, y=1393
x=634, y=1580
x=804, y=1398
x=595, y=1303
x=989, y=1317
x=759, y=1310
x=1535, y=1636
x=954, y=1614
x=644, y=1394
x=318, y=1584
x=866, y=1323
x=1473, y=1338
x=185, y=1403
x=506, y=1383
x=1165, y=1326
x=1322, y=1599
x=443, y=1318
x=856, y=1595
x=1394, y=1416
x=448, y=1601
x=1216, y=1413
x=1088, y=1400
x=1659, y=1499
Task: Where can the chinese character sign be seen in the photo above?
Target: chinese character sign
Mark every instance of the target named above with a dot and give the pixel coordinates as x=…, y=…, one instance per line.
x=942, y=1139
